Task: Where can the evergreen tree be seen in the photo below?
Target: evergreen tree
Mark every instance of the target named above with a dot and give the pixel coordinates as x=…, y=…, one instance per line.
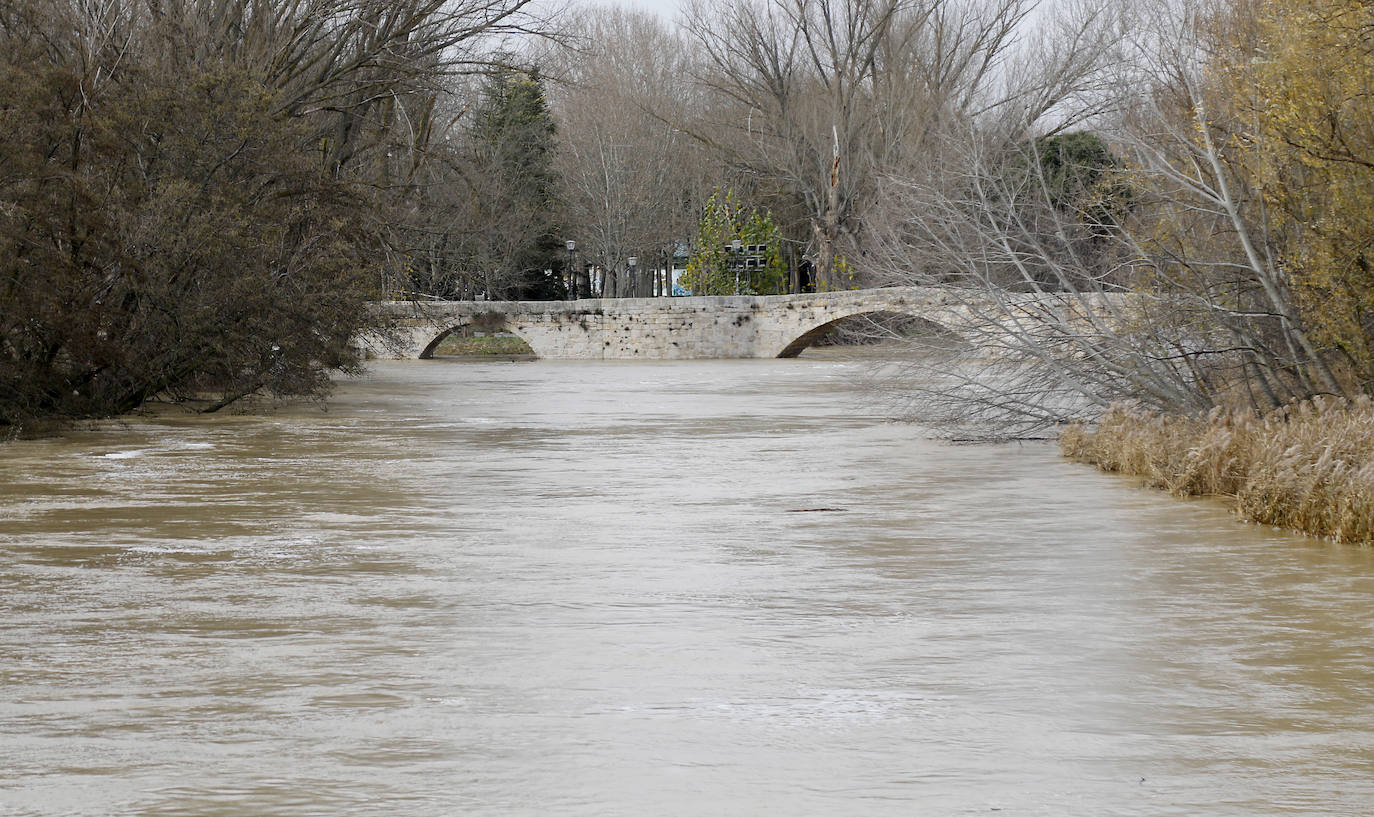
x=513, y=240
x=1084, y=179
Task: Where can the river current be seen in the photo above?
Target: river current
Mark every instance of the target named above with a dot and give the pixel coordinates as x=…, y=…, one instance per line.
x=630, y=589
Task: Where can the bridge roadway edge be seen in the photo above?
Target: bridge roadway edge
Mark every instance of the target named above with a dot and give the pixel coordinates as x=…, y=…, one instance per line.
x=694, y=327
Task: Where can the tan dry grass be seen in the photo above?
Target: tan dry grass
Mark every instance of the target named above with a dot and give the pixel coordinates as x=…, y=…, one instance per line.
x=1309, y=466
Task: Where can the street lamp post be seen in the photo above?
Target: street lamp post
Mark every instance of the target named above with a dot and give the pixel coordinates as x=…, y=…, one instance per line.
x=572, y=268
x=634, y=279
x=736, y=260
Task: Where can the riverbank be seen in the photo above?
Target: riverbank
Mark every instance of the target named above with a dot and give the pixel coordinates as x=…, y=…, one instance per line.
x=1309, y=467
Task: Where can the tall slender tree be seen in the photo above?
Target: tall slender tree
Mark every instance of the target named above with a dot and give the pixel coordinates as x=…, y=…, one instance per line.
x=510, y=188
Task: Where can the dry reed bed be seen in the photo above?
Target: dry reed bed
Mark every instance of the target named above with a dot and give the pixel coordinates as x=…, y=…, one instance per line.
x=1309, y=466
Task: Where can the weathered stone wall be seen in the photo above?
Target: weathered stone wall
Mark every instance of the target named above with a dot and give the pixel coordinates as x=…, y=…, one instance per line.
x=728, y=326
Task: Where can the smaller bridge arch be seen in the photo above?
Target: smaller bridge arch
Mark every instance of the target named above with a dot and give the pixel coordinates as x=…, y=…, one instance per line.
x=490, y=322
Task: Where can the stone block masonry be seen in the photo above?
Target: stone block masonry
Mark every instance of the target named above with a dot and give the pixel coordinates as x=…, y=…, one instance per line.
x=726, y=326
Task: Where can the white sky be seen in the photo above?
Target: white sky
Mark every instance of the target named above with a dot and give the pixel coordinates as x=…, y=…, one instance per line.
x=664, y=8
x=667, y=9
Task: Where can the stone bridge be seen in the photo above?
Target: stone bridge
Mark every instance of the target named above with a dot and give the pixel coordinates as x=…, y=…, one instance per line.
x=724, y=326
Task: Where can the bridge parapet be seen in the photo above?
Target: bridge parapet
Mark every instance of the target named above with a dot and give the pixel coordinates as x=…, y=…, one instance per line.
x=716, y=326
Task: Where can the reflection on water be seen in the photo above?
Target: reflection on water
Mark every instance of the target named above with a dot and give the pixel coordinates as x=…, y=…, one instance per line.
x=578, y=589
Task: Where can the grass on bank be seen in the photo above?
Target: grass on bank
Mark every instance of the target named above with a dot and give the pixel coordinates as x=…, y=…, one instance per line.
x=1309, y=466
x=483, y=346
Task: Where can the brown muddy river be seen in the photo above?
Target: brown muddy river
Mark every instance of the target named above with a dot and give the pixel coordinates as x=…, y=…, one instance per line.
x=598, y=589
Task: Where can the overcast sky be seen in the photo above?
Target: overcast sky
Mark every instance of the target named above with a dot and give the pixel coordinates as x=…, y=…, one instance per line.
x=667, y=9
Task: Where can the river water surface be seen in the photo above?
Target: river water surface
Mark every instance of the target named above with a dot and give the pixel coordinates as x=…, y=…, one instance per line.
x=606, y=589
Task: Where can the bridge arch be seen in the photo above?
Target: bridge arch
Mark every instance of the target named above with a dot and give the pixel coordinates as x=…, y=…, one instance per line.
x=487, y=322
x=915, y=321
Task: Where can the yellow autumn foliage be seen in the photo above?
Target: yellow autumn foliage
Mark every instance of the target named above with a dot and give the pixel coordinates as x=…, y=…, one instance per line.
x=1303, y=81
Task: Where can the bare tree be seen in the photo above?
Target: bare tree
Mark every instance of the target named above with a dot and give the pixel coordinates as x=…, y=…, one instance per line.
x=1051, y=331
x=1174, y=296
x=1213, y=240
x=822, y=98
x=633, y=182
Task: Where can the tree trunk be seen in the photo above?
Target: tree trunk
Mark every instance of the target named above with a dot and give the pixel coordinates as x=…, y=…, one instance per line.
x=828, y=228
